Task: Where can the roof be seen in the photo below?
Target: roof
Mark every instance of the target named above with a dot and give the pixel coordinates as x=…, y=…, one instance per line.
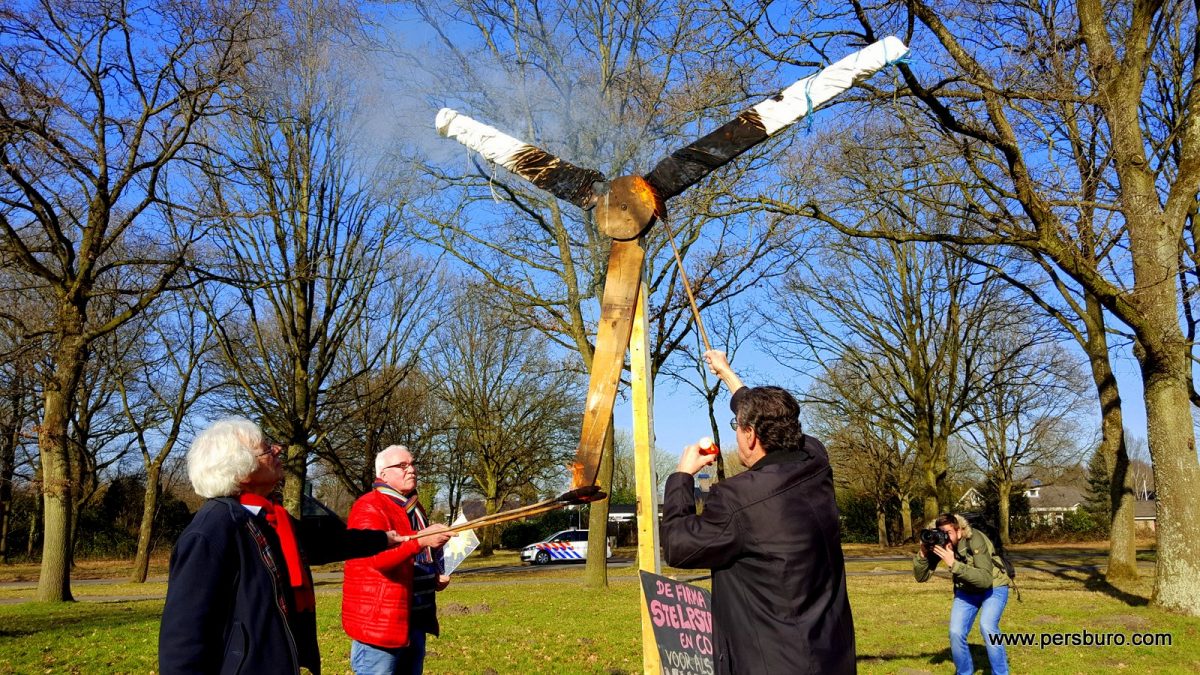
x=1145, y=509
x=970, y=499
x=1056, y=497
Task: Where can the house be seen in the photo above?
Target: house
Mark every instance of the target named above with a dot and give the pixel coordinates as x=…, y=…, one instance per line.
x=1145, y=516
x=971, y=500
x=1048, y=503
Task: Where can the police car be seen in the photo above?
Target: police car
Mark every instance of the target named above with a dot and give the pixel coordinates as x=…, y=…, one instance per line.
x=558, y=547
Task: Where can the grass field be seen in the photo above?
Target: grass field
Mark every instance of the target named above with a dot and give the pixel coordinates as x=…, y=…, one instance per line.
x=545, y=622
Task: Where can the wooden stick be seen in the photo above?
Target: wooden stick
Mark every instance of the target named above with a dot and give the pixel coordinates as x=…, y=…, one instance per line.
x=505, y=516
x=687, y=286
x=580, y=495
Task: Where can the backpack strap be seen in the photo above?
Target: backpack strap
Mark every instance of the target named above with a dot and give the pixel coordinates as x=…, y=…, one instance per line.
x=997, y=560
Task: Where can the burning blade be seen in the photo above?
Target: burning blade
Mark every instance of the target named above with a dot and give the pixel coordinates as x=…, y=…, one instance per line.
x=561, y=179
x=621, y=287
x=688, y=165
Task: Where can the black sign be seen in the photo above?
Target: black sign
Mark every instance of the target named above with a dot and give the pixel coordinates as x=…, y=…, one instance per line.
x=682, y=618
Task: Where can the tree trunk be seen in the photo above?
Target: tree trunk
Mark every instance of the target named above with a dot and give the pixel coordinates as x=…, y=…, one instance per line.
x=716, y=430
x=8, y=459
x=31, y=541
x=1176, y=479
x=487, y=542
x=1122, y=554
x=1004, y=492
x=295, y=468
x=936, y=497
x=906, y=521
x=54, y=580
x=941, y=471
x=596, y=575
x=4, y=528
x=141, y=562
x=881, y=534
x=933, y=469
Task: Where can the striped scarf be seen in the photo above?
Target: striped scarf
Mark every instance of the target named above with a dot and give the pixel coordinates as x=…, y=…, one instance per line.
x=422, y=613
x=412, y=506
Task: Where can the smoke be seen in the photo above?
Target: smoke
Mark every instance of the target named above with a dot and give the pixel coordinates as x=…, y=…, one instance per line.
x=406, y=75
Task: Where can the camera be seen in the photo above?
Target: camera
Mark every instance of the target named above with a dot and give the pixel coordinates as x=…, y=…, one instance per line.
x=934, y=537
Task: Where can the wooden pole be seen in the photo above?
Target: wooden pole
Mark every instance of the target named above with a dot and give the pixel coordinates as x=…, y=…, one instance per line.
x=686, y=285
x=642, y=398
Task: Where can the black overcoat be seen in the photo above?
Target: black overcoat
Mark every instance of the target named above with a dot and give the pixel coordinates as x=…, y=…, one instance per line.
x=772, y=539
x=226, y=609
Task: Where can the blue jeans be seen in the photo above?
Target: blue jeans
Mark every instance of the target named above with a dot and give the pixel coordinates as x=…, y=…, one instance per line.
x=989, y=606
x=368, y=659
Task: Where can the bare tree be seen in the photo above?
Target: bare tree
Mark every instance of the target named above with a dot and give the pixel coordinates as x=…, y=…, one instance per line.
x=624, y=483
x=1025, y=419
x=98, y=435
x=160, y=386
x=1081, y=316
x=387, y=396
x=514, y=409
x=303, y=239
x=1004, y=121
x=390, y=408
x=96, y=103
x=909, y=321
x=730, y=326
x=1001, y=127
x=871, y=455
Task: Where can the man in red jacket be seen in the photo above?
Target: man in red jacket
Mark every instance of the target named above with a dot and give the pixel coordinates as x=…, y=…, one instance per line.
x=388, y=604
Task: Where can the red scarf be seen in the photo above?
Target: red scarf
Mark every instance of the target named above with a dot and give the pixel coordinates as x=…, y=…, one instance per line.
x=304, y=599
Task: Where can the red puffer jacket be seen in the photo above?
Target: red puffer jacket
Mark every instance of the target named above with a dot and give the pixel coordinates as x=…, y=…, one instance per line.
x=377, y=590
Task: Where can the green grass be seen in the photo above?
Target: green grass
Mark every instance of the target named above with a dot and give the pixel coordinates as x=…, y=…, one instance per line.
x=80, y=637
x=545, y=622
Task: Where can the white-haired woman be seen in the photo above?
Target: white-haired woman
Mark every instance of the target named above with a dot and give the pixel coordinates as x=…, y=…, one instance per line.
x=980, y=588
x=239, y=595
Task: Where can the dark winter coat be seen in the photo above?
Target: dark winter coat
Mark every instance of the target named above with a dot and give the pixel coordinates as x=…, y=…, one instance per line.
x=228, y=607
x=772, y=539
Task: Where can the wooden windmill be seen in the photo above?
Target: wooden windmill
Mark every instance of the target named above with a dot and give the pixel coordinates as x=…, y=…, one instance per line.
x=626, y=207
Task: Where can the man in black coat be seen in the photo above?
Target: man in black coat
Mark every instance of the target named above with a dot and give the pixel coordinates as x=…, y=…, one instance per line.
x=772, y=539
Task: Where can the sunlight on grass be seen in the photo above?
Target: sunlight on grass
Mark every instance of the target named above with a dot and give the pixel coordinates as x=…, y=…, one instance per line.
x=544, y=621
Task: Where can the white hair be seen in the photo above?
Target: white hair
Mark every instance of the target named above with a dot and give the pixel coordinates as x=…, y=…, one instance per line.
x=222, y=456
x=383, y=459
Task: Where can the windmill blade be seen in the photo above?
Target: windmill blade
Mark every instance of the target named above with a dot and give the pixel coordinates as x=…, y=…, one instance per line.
x=561, y=179
x=612, y=339
x=688, y=165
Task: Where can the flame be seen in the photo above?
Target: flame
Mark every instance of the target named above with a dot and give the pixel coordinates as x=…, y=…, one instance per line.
x=645, y=192
x=577, y=479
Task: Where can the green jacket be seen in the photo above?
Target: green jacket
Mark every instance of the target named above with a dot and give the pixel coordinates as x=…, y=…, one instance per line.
x=976, y=569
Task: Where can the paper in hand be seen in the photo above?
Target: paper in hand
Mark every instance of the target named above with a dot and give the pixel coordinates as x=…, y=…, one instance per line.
x=458, y=548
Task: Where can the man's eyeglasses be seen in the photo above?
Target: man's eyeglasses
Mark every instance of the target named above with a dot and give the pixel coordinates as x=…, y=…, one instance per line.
x=733, y=423
x=270, y=447
x=403, y=466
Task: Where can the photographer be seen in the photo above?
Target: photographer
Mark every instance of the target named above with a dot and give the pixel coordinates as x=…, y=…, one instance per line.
x=980, y=586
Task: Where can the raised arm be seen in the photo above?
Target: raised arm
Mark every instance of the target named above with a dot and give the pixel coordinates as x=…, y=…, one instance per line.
x=718, y=363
